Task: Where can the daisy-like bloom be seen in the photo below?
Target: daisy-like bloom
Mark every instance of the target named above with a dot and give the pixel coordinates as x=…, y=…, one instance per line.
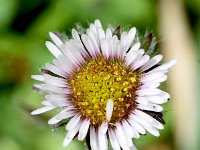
x=105, y=85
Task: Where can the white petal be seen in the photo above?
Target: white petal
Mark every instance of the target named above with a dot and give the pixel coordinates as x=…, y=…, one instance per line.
x=148, y=92
x=124, y=43
x=157, y=99
x=38, y=77
x=109, y=109
x=164, y=66
x=42, y=110
x=105, y=47
x=153, y=61
x=83, y=129
x=136, y=133
x=68, y=109
x=129, y=141
x=103, y=141
x=127, y=129
x=71, y=55
x=97, y=23
x=140, y=62
x=127, y=39
x=150, y=85
x=56, y=97
x=56, y=103
x=131, y=58
x=121, y=136
x=75, y=35
x=58, y=100
x=94, y=29
x=113, y=140
x=53, y=49
x=65, y=64
x=73, y=122
x=66, y=141
x=164, y=95
x=161, y=79
x=89, y=45
x=51, y=89
x=93, y=139
x=103, y=128
x=133, y=147
x=108, y=33
x=118, y=50
x=46, y=103
x=55, y=70
x=151, y=107
x=135, y=57
x=146, y=125
x=56, y=81
x=134, y=48
x=115, y=47
x=56, y=39
x=142, y=100
x=71, y=134
x=78, y=46
x=148, y=118
x=60, y=117
x=152, y=77
x=131, y=35
x=160, y=98
x=136, y=126
x=93, y=35
x=101, y=33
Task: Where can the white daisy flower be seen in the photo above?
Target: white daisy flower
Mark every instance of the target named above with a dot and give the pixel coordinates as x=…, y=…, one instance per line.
x=106, y=85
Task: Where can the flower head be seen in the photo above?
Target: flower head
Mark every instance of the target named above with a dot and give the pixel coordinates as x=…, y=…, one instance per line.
x=106, y=85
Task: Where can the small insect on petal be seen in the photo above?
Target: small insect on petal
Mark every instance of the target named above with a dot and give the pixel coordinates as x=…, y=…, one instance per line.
x=109, y=109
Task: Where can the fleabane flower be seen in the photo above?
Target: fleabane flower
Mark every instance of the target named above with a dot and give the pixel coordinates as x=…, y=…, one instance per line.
x=105, y=85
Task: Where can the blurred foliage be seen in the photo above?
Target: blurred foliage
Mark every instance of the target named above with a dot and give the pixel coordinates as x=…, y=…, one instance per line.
x=24, y=27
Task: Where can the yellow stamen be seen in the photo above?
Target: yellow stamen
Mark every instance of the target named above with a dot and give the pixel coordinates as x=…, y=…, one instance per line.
x=101, y=80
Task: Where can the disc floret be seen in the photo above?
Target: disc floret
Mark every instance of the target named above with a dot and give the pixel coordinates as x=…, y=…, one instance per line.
x=99, y=80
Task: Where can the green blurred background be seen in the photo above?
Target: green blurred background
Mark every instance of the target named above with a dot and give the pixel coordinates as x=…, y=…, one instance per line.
x=24, y=27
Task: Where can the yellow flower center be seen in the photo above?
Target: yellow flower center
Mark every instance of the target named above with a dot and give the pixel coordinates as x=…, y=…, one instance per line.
x=99, y=80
